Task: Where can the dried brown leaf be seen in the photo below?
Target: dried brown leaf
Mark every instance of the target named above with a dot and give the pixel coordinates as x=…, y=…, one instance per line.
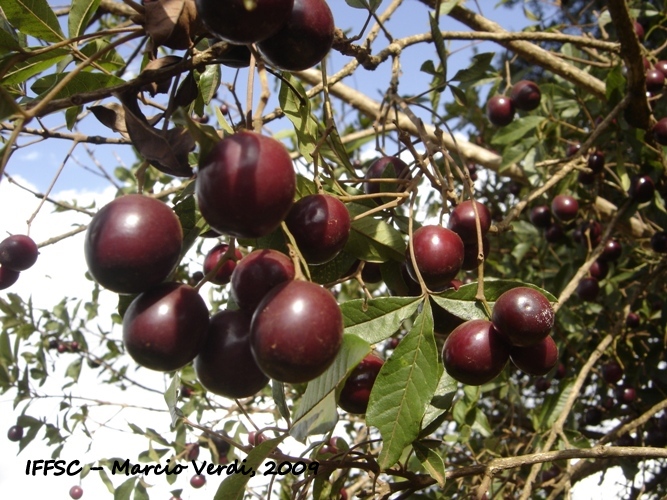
x=172, y=23
x=161, y=86
x=111, y=115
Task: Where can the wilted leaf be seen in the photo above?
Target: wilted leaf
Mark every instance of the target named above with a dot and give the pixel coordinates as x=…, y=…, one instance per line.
x=162, y=86
x=111, y=115
x=172, y=23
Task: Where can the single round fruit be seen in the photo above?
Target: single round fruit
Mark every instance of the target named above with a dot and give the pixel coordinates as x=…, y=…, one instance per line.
x=586, y=178
x=15, y=433
x=371, y=273
x=632, y=320
x=658, y=242
x=76, y=492
x=246, y=185
x=222, y=447
x=542, y=384
x=500, y=110
x=560, y=372
x=225, y=364
x=554, y=234
x=192, y=451
x=133, y=243
x=626, y=395
x=612, y=372
x=234, y=20
x=304, y=39
x=565, y=207
x=296, y=332
x=660, y=131
x=612, y=251
x=198, y=481
x=536, y=359
x=540, y=216
x=257, y=274
x=7, y=277
x=655, y=81
x=641, y=189
x=255, y=438
x=18, y=252
x=357, y=388
x=662, y=67
x=439, y=254
x=593, y=416
x=463, y=221
x=596, y=162
x=525, y=95
x=572, y=149
x=588, y=289
x=320, y=224
x=389, y=167
x=523, y=315
x=164, y=327
x=599, y=269
x=214, y=256
x=639, y=30
x=475, y=353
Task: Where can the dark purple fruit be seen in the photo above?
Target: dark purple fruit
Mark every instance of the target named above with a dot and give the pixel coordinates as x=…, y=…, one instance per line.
x=320, y=224
x=662, y=67
x=659, y=242
x=371, y=273
x=612, y=251
x=471, y=252
x=18, y=252
x=639, y=30
x=235, y=21
x=192, y=451
x=164, y=328
x=612, y=372
x=198, y=481
x=592, y=416
x=564, y=207
x=296, y=332
x=660, y=131
x=540, y=216
x=536, y=359
x=439, y=254
x=255, y=438
x=641, y=189
x=542, y=384
x=560, y=372
x=225, y=365
x=596, y=162
x=573, y=149
x=257, y=274
x=523, y=315
x=76, y=492
x=214, y=256
x=590, y=231
x=15, y=433
x=133, y=243
x=463, y=221
x=632, y=320
x=599, y=269
x=386, y=167
x=588, y=289
x=655, y=81
x=236, y=56
x=357, y=387
x=246, y=185
x=304, y=39
x=500, y=110
x=586, y=178
x=554, y=234
x=525, y=95
x=626, y=395
x=475, y=353
x=7, y=277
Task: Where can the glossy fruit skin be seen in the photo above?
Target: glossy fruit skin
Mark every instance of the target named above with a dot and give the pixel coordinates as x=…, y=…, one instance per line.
x=523, y=315
x=662, y=67
x=540, y=216
x=357, y=388
x=213, y=256
x=225, y=365
x=18, y=252
x=660, y=131
x=641, y=189
x=304, y=40
x=246, y=185
x=255, y=438
x=231, y=21
x=632, y=320
x=612, y=251
x=164, y=328
x=536, y=359
x=659, y=242
x=380, y=168
x=639, y=30
x=474, y=353
x=588, y=289
x=257, y=274
x=320, y=224
x=596, y=162
x=7, y=277
x=15, y=433
x=296, y=332
x=554, y=234
x=612, y=372
x=526, y=95
x=655, y=81
x=626, y=395
x=573, y=149
x=565, y=207
x=236, y=56
x=462, y=220
x=599, y=269
x=198, y=481
x=192, y=451
x=500, y=110
x=439, y=254
x=133, y=243
x=590, y=231
x=76, y=492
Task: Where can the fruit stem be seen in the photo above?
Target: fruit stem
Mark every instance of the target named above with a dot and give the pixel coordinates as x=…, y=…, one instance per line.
x=300, y=264
x=249, y=89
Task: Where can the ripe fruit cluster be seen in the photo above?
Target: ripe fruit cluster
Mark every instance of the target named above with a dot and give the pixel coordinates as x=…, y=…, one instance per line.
x=478, y=350
x=291, y=35
x=358, y=385
x=525, y=95
x=18, y=252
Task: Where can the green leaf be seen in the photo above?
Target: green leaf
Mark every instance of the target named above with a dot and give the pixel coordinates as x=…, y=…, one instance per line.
x=332, y=270
x=80, y=14
x=462, y=302
x=171, y=398
x=233, y=488
x=481, y=64
x=34, y=18
x=23, y=70
x=296, y=106
x=8, y=38
x=441, y=402
x=74, y=369
x=278, y=394
x=373, y=239
x=209, y=81
x=370, y=5
x=140, y=492
x=105, y=479
x=308, y=418
x=615, y=85
x=547, y=413
x=80, y=84
x=404, y=388
x=517, y=130
x=447, y=5
x=124, y=491
x=432, y=462
x=377, y=319
x=439, y=43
